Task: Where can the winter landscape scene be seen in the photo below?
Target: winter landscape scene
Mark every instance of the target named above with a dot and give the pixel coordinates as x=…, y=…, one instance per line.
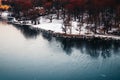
x=59, y=39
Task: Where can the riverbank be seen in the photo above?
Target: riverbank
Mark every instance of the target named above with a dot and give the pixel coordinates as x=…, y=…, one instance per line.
x=82, y=36
x=56, y=29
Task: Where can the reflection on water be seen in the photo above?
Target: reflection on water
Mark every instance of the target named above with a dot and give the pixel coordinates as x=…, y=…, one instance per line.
x=94, y=48
x=27, y=31
x=28, y=54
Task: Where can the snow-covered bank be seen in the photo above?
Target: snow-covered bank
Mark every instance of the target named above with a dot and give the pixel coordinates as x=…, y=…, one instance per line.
x=56, y=26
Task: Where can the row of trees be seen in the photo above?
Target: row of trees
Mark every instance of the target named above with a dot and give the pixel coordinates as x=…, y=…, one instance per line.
x=99, y=12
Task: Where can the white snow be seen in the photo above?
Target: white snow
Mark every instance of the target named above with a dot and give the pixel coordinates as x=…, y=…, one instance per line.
x=5, y=14
x=56, y=27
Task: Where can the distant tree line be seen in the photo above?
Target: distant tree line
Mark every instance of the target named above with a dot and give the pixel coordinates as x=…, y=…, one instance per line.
x=99, y=12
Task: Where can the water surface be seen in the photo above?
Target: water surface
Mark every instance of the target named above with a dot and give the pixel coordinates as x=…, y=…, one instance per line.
x=27, y=54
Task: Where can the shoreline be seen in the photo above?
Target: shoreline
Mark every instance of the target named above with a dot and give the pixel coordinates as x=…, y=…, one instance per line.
x=60, y=34
x=73, y=36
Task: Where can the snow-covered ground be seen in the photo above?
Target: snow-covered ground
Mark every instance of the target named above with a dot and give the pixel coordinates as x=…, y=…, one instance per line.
x=56, y=27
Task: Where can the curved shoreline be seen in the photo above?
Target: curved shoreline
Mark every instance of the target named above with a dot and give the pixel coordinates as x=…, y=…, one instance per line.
x=71, y=36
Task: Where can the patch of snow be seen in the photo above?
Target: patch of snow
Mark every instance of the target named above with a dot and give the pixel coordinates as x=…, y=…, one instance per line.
x=56, y=26
x=4, y=14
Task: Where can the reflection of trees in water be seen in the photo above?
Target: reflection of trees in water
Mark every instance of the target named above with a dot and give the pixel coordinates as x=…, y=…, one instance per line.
x=67, y=44
x=46, y=36
x=28, y=32
x=94, y=48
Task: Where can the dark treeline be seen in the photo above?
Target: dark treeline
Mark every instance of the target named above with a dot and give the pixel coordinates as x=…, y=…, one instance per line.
x=99, y=12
